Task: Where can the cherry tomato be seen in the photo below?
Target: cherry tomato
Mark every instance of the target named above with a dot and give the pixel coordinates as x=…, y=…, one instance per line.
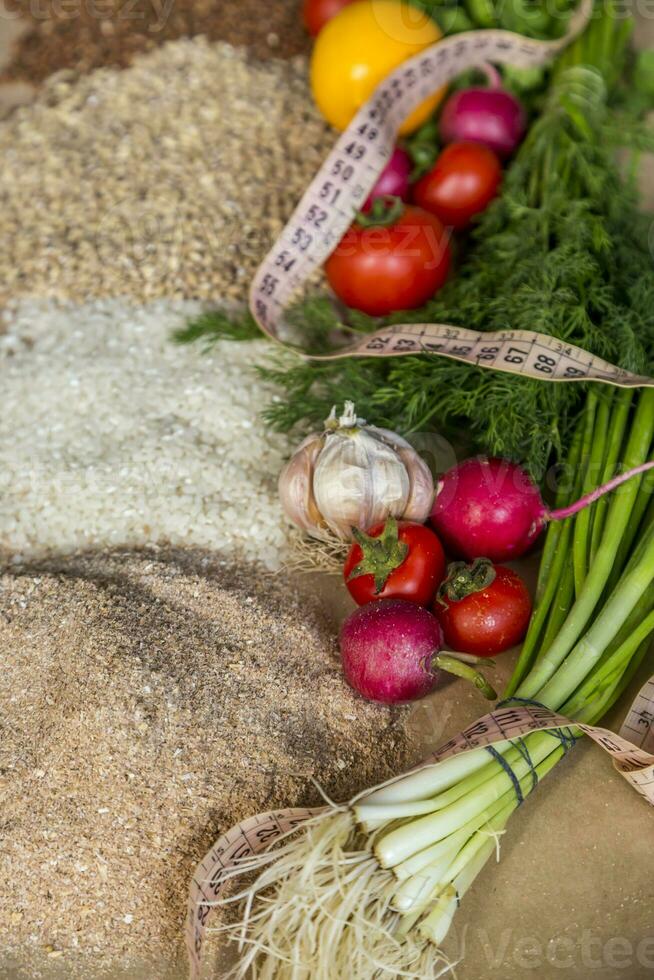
x=463, y=181
x=380, y=268
x=359, y=47
x=395, y=560
x=316, y=13
x=482, y=608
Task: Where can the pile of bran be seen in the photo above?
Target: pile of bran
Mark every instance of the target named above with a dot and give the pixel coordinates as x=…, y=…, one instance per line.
x=149, y=701
x=169, y=179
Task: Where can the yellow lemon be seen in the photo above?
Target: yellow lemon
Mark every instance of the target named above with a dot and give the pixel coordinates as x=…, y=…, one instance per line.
x=359, y=47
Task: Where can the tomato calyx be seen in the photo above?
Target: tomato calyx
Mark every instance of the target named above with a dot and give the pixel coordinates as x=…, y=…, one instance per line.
x=464, y=579
x=381, y=555
x=384, y=211
x=423, y=148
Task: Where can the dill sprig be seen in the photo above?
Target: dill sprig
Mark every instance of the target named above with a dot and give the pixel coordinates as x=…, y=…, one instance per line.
x=215, y=325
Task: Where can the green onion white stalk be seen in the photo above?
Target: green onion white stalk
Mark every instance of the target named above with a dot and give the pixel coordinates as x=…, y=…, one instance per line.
x=371, y=889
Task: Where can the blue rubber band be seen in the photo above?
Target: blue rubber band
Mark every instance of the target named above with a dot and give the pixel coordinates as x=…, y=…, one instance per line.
x=509, y=771
x=562, y=735
x=521, y=746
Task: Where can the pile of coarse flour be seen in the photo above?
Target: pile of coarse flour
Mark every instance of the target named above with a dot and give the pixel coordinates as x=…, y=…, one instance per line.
x=169, y=179
x=110, y=434
x=148, y=702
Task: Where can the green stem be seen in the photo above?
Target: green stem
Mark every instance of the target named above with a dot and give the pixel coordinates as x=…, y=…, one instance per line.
x=594, y=711
x=561, y=605
x=589, y=649
x=636, y=521
x=612, y=670
x=566, y=493
x=616, y=523
x=598, y=456
x=451, y=665
x=383, y=211
x=593, y=448
x=552, y=565
x=619, y=416
x=539, y=616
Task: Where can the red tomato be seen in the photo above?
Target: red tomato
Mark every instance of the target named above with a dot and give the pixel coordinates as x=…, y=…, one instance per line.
x=381, y=268
x=461, y=184
x=395, y=560
x=316, y=13
x=488, y=618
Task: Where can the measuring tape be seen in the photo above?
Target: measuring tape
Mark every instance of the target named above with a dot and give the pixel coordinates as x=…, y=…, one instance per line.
x=348, y=175
x=632, y=751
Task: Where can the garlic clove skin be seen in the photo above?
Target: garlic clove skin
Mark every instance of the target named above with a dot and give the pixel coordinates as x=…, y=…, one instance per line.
x=296, y=485
x=422, y=493
x=359, y=480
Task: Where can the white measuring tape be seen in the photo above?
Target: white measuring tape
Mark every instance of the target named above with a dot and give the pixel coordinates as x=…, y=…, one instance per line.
x=343, y=183
x=632, y=751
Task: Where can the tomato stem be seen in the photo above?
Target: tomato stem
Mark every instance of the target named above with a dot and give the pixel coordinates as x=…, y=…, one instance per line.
x=381, y=555
x=463, y=580
x=384, y=210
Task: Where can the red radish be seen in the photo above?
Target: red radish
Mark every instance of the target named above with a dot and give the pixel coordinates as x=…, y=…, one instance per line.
x=393, y=180
x=391, y=653
x=482, y=608
x=491, y=507
x=489, y=115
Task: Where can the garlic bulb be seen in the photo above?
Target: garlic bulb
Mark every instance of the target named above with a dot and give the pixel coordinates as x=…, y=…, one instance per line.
x=354, y=475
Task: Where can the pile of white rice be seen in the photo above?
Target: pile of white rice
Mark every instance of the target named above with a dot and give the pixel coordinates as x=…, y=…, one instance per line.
x=112, y=435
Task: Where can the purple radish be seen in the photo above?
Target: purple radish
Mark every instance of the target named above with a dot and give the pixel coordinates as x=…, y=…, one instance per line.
x=393, y=181
x=391, y=652
x=487, y=115
x=490, y=507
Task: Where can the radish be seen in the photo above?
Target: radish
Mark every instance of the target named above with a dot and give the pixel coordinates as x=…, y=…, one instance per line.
x=491, y=116
x=391, y=652
x=491, y=507
x=393, y=181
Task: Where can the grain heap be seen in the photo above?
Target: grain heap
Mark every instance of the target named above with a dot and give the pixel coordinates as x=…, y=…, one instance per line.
x=111, y=435
x=170, y=178
x=138, y=723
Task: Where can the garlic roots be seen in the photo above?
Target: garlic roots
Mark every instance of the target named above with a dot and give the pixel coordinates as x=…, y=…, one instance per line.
x=354, y=475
